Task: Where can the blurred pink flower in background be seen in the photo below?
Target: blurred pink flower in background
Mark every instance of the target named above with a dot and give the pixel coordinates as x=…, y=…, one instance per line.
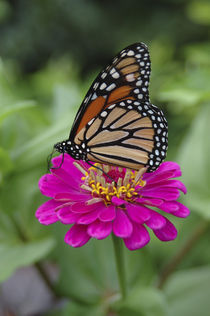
x=119, y=201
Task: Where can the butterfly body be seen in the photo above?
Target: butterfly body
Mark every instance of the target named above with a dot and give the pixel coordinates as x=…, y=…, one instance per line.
x=116, y=123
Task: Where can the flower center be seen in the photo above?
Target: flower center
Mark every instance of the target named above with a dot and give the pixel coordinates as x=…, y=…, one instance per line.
x=107, y=181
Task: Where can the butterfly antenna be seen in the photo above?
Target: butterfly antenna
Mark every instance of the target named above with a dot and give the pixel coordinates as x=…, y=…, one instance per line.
x=102, y=171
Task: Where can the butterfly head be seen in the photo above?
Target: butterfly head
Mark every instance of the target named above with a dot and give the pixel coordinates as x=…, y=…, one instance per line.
x=60, y=147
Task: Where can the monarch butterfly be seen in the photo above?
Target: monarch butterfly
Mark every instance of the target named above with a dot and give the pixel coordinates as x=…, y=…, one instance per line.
x=116, y=124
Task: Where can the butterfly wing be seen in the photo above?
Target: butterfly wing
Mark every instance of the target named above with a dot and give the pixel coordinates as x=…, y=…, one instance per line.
x=116, y=124
x=130, y=134
x=127, y=76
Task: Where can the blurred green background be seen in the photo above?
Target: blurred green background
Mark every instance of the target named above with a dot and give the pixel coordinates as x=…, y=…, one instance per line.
x=51, y=50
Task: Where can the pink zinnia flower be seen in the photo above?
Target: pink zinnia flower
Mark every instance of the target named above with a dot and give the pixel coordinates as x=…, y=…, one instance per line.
x=97, y=206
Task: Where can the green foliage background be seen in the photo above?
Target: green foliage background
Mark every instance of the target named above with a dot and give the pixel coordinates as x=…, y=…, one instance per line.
x=50, y=52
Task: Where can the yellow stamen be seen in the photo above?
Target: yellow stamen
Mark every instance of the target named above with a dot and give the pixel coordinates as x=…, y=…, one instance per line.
x=85, y=187
x=126, y=178
x=119, y=182
x=94, y=200
x=102, y=190
x=103, y=182
x=139, y=175
x=106, y=168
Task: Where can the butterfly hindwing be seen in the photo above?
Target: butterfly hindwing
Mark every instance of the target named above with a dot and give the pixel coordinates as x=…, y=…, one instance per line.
x=131, y=134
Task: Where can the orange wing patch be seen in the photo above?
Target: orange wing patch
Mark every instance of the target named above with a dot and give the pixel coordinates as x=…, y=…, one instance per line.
x=94, y=108
x=119, y=94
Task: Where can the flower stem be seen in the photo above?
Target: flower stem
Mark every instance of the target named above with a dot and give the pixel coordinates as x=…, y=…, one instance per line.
x=120, y=264
x=182, y=252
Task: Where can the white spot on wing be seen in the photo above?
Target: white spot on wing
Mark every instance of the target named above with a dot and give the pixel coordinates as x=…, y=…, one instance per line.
x=115, y=75
x=139, y=83
x=94, y=96
x=96, y=85
x=130, y=53
x=103, y=86
x=130, y=77
x=104, y=74
x=111, y=106
x=111, y=87
x=104, y=113
x=91, y=121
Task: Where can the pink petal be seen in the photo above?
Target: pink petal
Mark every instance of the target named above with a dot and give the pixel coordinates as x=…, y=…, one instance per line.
x=49, y=185
x=168, y=184
x=177, y=184
x=168, y=232
x=182, y=212
x=88, y=218
x=166, y=193
x=48, y=218
x=100, y=230
x=47, y=207
x=107, y=214
x=66, y=216
x=67, y=166
x=156, y=220
x=175, y=208
x=46, y=212
x=138, y=213
x=170, y=165
x=171, y=169
x=74, y=197
x=169, y=206
x=82, y=207
x=77, y=236
x=139, y=238
x=122, y=226
x=149, y=201
x=117, y=201
x=156, y=177
x=67, y=161
x=67, y=178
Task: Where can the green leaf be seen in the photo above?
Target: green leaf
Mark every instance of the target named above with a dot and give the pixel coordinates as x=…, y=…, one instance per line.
x=9, y=110
x=87, y=273
x=78, y=310
x=186, y=96
x=74, y=309
x=19, y=255
x=6, y=164
x=198, y=11
x=38, y=148
x=188, y=292
x=194, y=158
x=143, y=301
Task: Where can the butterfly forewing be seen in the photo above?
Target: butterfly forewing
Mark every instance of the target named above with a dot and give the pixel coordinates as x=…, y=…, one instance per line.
x=127, y=76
